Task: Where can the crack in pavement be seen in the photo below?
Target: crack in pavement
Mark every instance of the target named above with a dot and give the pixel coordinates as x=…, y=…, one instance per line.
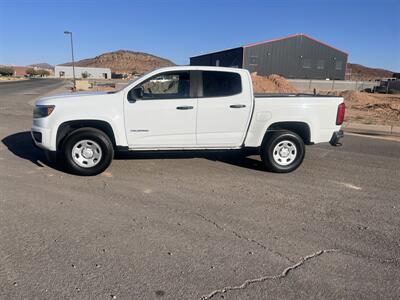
x=284, y=273
x=395, y=260
x=244, y=237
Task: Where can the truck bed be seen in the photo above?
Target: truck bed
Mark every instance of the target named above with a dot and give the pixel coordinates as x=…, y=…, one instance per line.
x=272, y=95
x=318, y=112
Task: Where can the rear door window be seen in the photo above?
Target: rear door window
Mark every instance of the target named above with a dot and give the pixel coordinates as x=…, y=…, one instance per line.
x=221, y=84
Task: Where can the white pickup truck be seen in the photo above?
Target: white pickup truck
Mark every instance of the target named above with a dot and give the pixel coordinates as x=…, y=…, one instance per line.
x=184, y=108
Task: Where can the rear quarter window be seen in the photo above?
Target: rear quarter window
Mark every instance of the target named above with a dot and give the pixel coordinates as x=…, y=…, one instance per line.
x=221, y=84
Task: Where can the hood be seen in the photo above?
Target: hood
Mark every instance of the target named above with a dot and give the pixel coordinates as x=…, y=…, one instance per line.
x=79, y=96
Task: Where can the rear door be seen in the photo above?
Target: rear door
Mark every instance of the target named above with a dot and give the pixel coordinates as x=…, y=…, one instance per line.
x=161, y=112
x=223, y=109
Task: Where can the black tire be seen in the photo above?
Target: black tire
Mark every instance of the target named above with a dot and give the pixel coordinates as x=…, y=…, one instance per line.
x=90, y=134
x=275, y=138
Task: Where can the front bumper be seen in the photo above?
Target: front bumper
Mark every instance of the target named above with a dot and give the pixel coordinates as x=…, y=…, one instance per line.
x=41, y=134
x=335, y=139
x=51, y=156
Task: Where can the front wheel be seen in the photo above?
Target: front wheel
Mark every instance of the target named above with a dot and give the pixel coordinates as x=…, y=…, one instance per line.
x=87, y=151
x=282, y=151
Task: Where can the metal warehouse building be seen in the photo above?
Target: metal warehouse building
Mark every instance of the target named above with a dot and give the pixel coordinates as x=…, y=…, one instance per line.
x=294, y=56
x=82, y=72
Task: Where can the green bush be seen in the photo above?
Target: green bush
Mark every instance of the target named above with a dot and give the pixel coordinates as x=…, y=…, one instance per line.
x=31, y=72
x=6, y=71
x=42, y=73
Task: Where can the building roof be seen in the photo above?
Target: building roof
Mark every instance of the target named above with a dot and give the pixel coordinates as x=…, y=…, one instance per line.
x=274, y=40
x=214, y=52
x=292, y=36
x=82, y=68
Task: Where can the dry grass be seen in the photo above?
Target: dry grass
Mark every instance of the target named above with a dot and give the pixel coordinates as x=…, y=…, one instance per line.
x=11, y=78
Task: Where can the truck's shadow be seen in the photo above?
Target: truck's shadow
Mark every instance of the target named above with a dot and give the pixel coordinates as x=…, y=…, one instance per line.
x=232, y=157
x=20, y=144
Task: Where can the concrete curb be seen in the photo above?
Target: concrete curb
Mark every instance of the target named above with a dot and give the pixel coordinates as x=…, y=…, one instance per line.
x=372, y=129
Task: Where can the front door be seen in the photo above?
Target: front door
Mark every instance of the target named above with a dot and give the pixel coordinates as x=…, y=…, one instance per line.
x=161, y=112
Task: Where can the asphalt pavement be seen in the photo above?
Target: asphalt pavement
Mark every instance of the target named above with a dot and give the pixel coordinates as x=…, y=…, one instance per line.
x=194, y=225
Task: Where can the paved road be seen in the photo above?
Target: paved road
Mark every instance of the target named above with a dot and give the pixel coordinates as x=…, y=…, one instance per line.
x=33, y=86
x=189, y=226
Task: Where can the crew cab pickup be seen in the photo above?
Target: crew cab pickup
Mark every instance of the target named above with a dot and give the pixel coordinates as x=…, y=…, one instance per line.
x=185, y=108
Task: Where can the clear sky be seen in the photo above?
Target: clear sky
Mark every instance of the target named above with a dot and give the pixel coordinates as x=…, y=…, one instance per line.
x=32, y=31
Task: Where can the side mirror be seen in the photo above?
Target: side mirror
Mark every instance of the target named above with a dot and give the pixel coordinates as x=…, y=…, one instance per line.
x=135, y=94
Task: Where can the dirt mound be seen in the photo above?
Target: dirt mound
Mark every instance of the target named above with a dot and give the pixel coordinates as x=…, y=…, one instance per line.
x=358, y=97
x=271, y=84
x=372, y=108
x=124, y=61
x=43, y=66
x=360, y=72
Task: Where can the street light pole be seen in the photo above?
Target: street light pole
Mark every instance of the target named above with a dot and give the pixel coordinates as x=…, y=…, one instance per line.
x=73, y=61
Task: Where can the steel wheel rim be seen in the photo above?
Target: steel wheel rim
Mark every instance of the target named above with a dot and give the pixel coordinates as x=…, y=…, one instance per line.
x=284, y=153
x=86, y=153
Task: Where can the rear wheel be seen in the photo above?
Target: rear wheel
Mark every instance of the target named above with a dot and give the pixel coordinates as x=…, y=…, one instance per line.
x=282, y=151
x=87, y=151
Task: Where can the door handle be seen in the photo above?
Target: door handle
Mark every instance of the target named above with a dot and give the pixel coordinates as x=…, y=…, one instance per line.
x=184, y=107
x=237, y=106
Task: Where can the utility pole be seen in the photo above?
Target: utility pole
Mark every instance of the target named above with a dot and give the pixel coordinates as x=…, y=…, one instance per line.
x=73, y=61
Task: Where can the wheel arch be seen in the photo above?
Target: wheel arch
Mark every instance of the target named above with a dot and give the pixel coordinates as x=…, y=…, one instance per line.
x=67, y=127
x=300, y=128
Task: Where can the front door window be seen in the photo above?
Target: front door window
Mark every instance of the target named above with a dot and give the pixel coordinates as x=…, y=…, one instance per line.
x=167, y=86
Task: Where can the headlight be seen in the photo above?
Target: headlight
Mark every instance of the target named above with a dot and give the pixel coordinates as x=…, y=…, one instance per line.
x=41, y=111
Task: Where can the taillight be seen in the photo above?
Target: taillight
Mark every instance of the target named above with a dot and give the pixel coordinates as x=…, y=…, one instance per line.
x=340, y=114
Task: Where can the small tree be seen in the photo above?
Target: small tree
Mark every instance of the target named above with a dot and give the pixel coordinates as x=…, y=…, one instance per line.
x=6, y=71
x=85, y=75
x=31, y=72
x=42, y=73
x=134, y=71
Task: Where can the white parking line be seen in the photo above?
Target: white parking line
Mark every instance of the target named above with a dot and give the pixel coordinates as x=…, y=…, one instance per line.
x=350, y=186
